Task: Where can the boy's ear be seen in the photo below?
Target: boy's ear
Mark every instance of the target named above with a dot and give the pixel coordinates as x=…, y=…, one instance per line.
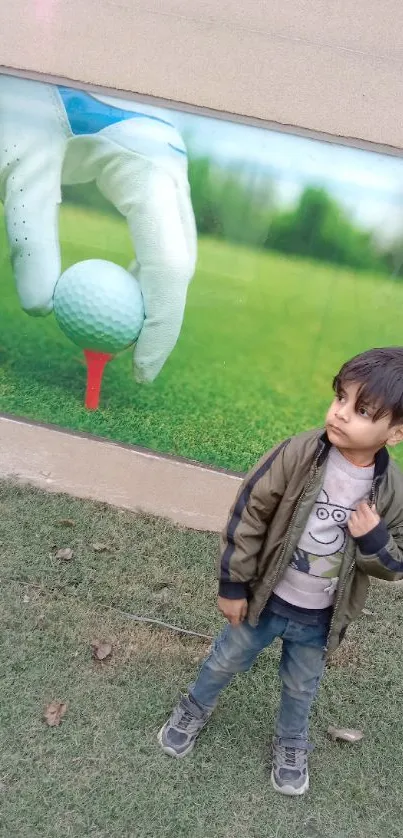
x=395, y=435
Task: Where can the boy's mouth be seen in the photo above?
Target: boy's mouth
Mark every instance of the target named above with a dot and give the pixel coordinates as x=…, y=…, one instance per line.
x=335, y=430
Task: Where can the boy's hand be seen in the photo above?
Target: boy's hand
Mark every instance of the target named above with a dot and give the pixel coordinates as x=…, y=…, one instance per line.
x=234, y=610
x=363, y=520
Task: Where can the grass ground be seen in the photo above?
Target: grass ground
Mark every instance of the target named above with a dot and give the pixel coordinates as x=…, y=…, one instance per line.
x=261, y=340
x=100, y=773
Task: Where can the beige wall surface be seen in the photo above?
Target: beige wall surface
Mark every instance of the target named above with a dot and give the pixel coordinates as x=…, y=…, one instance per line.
x=326, y=67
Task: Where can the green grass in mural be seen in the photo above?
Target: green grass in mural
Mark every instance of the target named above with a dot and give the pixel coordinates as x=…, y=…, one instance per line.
x=262, y=337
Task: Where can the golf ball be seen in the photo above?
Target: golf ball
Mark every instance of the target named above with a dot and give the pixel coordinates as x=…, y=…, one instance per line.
x=99, y=306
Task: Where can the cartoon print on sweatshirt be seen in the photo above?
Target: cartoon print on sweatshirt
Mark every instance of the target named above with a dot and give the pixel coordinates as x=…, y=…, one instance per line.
x=321, y=547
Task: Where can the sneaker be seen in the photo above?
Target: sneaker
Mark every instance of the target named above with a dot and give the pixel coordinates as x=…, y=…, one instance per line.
x=178, y=736
x=290, y=767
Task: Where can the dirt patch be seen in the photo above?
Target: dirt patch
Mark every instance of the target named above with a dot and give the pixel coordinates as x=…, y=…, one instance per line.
x=348, y=656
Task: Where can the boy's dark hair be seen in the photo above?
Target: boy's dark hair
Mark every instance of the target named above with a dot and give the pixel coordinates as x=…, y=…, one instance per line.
x=379, y=374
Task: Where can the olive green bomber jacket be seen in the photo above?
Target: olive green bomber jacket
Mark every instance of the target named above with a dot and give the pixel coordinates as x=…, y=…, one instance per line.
x=269, y=516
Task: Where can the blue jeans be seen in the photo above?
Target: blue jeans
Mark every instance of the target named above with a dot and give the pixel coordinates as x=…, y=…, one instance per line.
x=301, y=668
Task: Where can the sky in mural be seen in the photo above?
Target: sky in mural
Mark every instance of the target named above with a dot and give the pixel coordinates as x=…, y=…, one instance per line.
x=368, y=184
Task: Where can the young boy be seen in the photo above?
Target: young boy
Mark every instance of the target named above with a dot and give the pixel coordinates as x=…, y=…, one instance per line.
x=316, y=517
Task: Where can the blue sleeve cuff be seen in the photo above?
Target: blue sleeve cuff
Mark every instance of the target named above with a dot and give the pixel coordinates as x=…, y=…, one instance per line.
x=374, y=540
x=233, y=590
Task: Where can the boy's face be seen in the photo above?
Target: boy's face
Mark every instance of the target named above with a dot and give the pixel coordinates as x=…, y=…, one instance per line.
x=353, y=429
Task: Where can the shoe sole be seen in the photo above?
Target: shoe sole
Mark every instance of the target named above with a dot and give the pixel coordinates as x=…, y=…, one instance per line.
x=170, y=751
x=290, y=791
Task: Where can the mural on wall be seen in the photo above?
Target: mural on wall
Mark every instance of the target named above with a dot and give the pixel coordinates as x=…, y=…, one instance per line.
x=225, y=271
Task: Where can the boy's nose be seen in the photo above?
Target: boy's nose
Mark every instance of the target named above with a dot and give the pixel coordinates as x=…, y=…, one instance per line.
x=343, y=412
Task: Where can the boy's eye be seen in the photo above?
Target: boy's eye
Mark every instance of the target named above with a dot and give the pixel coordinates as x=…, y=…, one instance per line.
x=363, y=412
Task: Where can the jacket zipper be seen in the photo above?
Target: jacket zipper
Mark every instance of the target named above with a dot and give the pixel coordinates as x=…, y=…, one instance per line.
x=341, y=590
x=372, y=492
x=289, y=531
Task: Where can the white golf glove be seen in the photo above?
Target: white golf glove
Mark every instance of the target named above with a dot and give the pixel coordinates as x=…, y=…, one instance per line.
x=54, y=135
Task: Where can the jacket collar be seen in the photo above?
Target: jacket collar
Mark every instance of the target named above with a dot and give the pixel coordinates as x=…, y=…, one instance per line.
x=381, y=458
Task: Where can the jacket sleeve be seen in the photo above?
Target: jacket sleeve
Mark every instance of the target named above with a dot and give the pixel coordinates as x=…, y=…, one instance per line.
x=250, y=515
x=380, y=552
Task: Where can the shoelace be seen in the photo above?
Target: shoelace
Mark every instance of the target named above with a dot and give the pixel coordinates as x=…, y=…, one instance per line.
x=185, y=720
x=290, y=757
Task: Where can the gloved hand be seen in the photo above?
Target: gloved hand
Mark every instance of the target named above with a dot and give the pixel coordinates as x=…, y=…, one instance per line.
x=51, y=136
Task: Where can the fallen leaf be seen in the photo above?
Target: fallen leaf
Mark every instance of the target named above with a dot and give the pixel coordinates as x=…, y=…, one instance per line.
x=312, y=829
x=98, y=547
x=41, y=622
x=100, y=650
x=164, y=595
x=25, y=599
x=54, y=713
x=161, y=585
x=65, y=554
x=344, y=733
x=66, y=522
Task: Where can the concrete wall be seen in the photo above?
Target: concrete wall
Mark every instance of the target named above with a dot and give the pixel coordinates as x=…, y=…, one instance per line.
x=331, y=70
x=326, y=67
